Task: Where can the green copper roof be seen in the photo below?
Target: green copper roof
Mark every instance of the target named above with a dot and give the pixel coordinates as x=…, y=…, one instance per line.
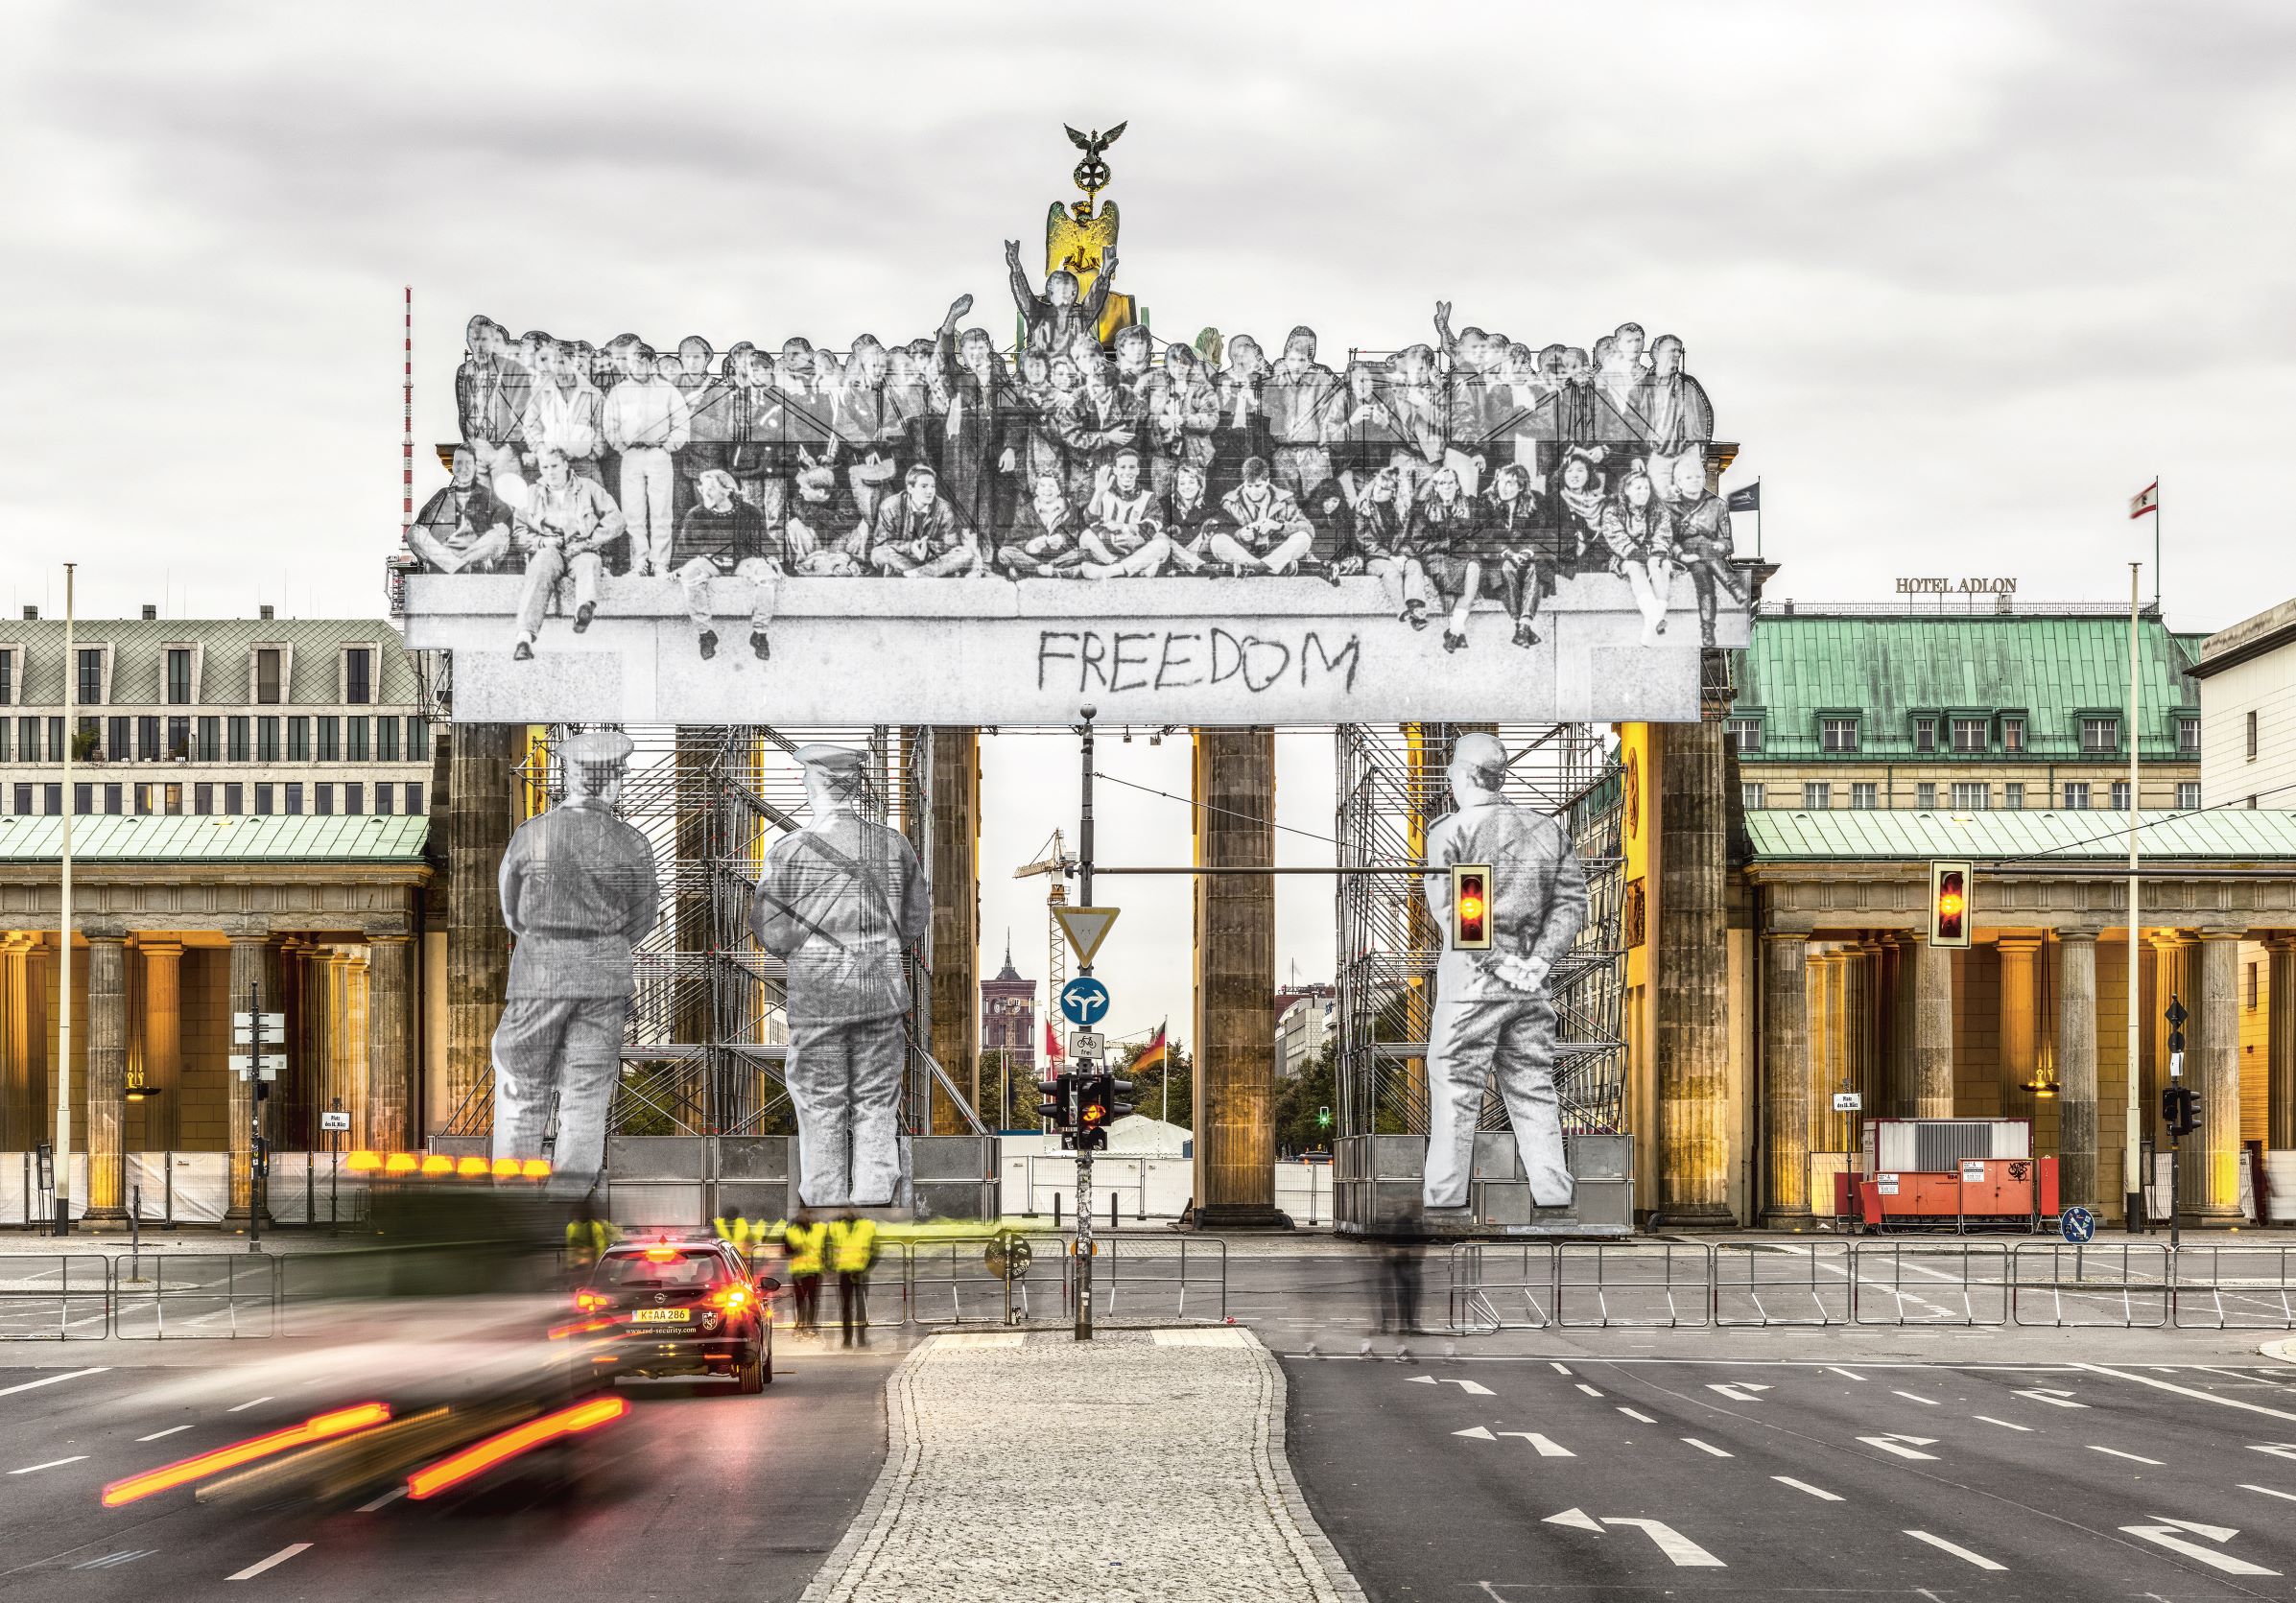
x=130, y=838
x=2223, y=834
x=1888, y=670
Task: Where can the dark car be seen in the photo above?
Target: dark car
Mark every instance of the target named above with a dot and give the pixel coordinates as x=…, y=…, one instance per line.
x=678, y=1308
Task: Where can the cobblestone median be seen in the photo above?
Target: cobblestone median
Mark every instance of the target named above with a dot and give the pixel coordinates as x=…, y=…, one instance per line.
x=1181, y=1468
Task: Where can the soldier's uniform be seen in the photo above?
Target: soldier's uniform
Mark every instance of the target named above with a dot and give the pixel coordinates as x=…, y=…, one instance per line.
x=577, y=890
x=840, y=900
x=1485, y=1025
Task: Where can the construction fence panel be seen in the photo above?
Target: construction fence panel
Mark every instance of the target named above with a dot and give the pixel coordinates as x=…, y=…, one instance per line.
x=1159, y=1281
x=2094, y=1284
x=1763, y=1284
x=1500, y=1286
x=1609, y=1284
x=2222, y=1286
x=55, y=1297
x=1930, y=1283
x=168, y=1296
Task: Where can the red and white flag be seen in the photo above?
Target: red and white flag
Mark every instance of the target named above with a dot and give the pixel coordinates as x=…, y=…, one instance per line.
x=2145, y=500
x=1051, y=1044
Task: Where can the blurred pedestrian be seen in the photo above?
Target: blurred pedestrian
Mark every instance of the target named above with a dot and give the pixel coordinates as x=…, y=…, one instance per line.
x=853, y=1249
x=1399, y=1286
x=803, y=1240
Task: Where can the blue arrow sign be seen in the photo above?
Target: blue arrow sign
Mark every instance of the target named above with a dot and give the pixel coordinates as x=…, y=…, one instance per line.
x=1084, y=1001
x=2078, y=1224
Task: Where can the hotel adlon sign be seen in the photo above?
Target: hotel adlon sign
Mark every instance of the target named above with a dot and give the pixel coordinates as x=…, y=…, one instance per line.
x=1957, y=587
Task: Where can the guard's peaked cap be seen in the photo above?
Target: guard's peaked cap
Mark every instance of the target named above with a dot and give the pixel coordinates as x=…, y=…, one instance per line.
x=597, y=745
x=821, y=755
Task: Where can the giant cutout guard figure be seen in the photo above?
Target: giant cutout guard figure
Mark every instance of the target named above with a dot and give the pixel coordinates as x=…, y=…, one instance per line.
x=1494, y=1014
x=840, y=900
x=577, y=891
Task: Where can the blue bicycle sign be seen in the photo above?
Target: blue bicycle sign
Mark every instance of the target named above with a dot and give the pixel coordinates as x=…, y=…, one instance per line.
x=2078, y=1224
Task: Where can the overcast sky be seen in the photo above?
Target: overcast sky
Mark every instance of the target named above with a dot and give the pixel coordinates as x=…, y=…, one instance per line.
x=1960, y=278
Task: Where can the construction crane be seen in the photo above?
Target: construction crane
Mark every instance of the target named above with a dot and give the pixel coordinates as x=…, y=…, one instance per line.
x=1054, y=863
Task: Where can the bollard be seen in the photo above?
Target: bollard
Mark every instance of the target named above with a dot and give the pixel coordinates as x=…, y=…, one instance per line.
x=136, y=1232
x=1111, y=1210
x=1055, y=1210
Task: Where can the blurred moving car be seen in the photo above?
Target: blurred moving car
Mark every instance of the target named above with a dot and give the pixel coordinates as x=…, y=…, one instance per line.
x=678, y=1308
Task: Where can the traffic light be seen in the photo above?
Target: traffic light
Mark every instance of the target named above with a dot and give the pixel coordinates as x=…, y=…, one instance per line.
x=1949, y=904
x=1053, y=1102
x=1323, y=1118
x=1096, y=1102
x=1470, y=906
x=1119, y=1097
x=2180, y=1110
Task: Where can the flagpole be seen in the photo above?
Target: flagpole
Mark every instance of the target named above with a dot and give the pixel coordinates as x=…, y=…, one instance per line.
x=2156, y=542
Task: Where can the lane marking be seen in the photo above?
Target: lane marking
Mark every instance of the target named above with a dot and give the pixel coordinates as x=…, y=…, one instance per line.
x=2278, y=1449
x=1708, y=1446
x=2117, y=1453
x=1472, y=1388
x=1545, y=1447
x=51, y=1464
x=1850, y=1373
x=1738, y=1391
x=53, y=1379
x=1931, y=1401
x=1589, y=1390
x=2164, y=1535
x=1956, y=1549
x=2268, y=1492
x=2006, y=1424
x=241, y=1407
x=1805, y=1486
x=280, y=1557
x=1686, y=1553
x=2188, y=1391
x=397, y=1492
x=1905, y=1447
x=1633, y=1415
x=127, y=1555
x=169, y=1431
x=2064, y=1400
x=1560, y=1369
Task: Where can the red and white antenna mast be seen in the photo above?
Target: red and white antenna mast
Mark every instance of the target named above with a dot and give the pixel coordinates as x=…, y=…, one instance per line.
x=405, y=465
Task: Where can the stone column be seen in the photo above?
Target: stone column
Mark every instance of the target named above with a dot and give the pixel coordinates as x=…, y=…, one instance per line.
x=1932, y=1032
x=2076, y=1069
x=1857, y=1035
x=163, y=1041
x=2280, y=1045
x=390, y=1099
x=1235, y=979
x=252, y=966
x=2213, y=1069
x=953, y=829
x=1828, y=1051
x=349, y=1039
x=17, y=1126
x=314, y=1076
x=1691, y=968
x=107, y=1075
x=2021, y=1021
x=1897, y=1103
x=479, y=816
x=1786, y=1079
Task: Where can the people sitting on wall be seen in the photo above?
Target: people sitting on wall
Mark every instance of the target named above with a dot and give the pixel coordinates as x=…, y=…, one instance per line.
x=462, y=529
x=721, y=537
x=563, y=529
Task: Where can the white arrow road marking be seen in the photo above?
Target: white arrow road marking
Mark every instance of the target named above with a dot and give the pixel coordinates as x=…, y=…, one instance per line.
x=2054, y=1398
x=1472, y=1388
x=1480, y=1432
x=2138, y=1458
x=1903, y=1445
x=1686, y=1553
x=1738, y=1391
x=2268, y=1492
x=1578, y=1519
x=1634, y=1415
x=52, y=1379
x=2279, y=1450
x=1708, y=1446
x=1805, y=1486
x=1988, y=1419
x=1956, y=1549
x=2164, y=1535
x=1546, y=1449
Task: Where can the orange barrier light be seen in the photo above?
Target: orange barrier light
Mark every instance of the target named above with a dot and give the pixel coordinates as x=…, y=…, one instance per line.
x=469, y=1167
x=506, y=1168
x=363, y=1163
x=437, y=1163
x=400, y=1163
x=481, y=1457
x=316, y=1428
x=534, y=1169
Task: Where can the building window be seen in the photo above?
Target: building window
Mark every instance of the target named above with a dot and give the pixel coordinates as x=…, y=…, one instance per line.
x=386, y=740
x=2013, y=734
x=171, y=800
x=2121, y=796
x=1971, y=797
x=1745, y=731
x=23, y=798
x=52, y=799
x=2076, y=796
x=178, y=739
x=1925, y=734
x=295, y=799
x=267, y=677
x=1969, y=735
x=143, y=801
x=357, y=676
x=418, y=740
x=55, y=739
x=8, y=678
x=354, y=799
x=1925, y=795
x=2252, y=734
x=239, y=741
x=91, y=676
x=147, y=738
x=2251, y=987
x=1817, y=797
x=2013, y=796
x=179, y=676
x=1864, y=797
x=382, y=798
x=2187, y=736
x=322, y=800
x=328, y=749
x=413, y=799
x=1749, y=795
x=1838, y=734
x=115, y=799
x=2100, y=736
x=2188, y=795
x=298, y=740
x=267, y=740
x=263, y=801
x=118, y=739
x=235, y=798
x=354, y=731
x=28, y=740
x=6, y=730
x=211, y=740
x=83, y=799
x=202, y=799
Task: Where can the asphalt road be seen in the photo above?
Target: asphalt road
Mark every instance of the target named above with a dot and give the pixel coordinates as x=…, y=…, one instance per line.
x=698, y=1492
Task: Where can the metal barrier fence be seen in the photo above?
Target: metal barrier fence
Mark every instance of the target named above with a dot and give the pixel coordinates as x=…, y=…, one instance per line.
x=1020, y=1279
x=1963, y=1283
x=166, y=1296
x=60, y=1298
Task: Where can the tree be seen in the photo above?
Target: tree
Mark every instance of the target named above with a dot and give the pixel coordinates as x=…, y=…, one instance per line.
x=1175, y=1077
x=1302, y=1099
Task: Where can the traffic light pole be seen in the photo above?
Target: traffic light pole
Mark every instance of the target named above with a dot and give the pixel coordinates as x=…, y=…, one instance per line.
x=1083, y=1151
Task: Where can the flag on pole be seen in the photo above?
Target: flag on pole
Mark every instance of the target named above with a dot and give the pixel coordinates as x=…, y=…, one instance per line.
x=1152, y=1055
x=1745, y=500
x=2145, y=500
x=1052, y=1045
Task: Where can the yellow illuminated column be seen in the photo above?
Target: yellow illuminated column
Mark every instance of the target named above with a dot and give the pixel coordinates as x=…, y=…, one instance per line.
x=1690, y=943
x=2213, y=1069
x=389, y=1041
x=163, y=1040
x=2020, y=1027
x=251, y=966
x=1235, y=987
x=1786, y=1078
x=107, y=1074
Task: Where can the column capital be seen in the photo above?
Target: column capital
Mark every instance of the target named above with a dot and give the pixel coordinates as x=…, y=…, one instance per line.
x=388, y=937
x=2217, y=934
x=2090, y=935
x=112, y=935
x=2276, y=940
x=160, y=946
x=1796, y=937
x=2169, y=939
x=2023, y=946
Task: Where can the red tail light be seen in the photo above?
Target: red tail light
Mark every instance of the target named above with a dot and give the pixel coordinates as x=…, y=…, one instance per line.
x=733, y=1298
x=585, y=1301
x=498, y=1448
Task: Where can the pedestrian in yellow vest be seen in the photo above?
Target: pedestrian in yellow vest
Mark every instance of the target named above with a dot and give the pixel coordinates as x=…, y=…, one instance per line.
x=804, y=1240
x=587, y=1237
x=734, y=1229
x=853, y=1250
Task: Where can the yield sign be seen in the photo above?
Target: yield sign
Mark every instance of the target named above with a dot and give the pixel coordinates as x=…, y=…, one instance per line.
x=2164, y=1535
x=1086, y=928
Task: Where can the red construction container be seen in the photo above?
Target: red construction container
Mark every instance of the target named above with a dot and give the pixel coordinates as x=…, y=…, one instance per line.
x=1947, y=1174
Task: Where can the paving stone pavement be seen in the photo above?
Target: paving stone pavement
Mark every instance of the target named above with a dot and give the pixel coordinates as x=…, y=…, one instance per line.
x=1179, y=1462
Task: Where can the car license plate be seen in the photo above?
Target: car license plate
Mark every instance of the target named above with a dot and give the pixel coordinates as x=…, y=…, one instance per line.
x=660, y=1315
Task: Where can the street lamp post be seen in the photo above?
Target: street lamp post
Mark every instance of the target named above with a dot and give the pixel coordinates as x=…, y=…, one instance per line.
x=64, y=990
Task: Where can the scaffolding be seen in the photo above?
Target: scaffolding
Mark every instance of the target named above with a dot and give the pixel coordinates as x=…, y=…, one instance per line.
x=708, y=1032
x=1391, y=787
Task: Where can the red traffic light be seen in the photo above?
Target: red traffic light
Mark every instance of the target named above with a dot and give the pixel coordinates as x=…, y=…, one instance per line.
x=1949, y=904
x=1470, y=906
